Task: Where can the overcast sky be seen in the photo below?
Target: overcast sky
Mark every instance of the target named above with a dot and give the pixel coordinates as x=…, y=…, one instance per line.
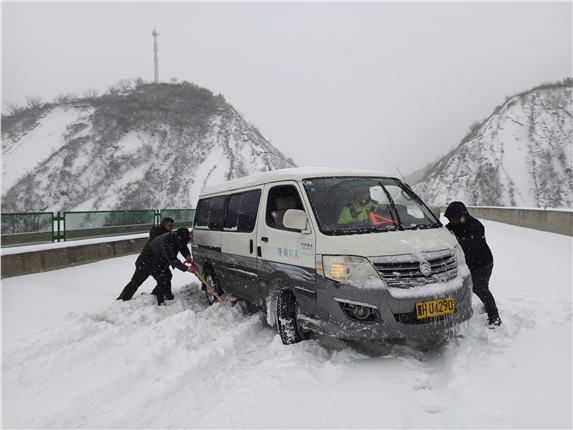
x=366, y=85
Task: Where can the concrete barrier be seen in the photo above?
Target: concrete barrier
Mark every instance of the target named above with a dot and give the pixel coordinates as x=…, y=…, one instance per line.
x=52, y=259
x=550, y=220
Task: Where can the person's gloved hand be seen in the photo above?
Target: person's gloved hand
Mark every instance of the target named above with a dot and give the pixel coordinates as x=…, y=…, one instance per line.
x=189, y=263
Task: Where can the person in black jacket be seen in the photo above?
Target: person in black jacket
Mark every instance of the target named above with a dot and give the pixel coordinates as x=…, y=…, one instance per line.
x=162, y=253
x=140, y=276
x=470, y=234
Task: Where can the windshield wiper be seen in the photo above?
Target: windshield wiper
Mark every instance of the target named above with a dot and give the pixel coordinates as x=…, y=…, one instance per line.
x=433, y=225
x=363, y=230
x=412, y=226
x=385, y=228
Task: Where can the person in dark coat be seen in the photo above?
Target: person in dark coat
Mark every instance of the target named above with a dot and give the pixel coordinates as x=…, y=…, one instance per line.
x=162, y=253
x=470, y=234
x=140, y=276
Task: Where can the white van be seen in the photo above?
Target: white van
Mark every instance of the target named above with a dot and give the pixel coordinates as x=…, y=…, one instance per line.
x=349, y=253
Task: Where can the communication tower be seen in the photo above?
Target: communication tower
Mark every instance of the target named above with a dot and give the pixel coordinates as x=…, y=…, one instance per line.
x=155, y=34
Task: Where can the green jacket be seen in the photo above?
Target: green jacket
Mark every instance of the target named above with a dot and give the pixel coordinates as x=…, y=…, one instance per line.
x=356, y=212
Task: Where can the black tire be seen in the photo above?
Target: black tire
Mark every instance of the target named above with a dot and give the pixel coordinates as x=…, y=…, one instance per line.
x=212, y=280
x=286, y=319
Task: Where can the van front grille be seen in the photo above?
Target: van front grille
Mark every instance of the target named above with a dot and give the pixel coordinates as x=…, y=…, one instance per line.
x=405, y=271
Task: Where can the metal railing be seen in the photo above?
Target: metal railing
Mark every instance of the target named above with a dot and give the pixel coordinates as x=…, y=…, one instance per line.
x=28, y=228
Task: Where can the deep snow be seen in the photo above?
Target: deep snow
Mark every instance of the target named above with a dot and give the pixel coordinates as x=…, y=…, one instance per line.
x=73, y=357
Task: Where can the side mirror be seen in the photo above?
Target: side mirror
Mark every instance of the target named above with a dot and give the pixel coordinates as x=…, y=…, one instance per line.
x=295, y=219
x=436, y=211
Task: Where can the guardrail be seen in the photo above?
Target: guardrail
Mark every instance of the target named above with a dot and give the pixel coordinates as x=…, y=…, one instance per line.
x=28, y=228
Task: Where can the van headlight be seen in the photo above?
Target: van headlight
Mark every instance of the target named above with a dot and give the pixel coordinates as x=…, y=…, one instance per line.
x=460, y=256
x=349, y=269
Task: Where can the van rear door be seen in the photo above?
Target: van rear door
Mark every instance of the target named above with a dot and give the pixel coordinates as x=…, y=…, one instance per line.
x=239, y=256
x=207, y=232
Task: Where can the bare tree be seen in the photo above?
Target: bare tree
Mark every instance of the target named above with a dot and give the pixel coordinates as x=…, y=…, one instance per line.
x=63, y=99
x=90, y=93
x=474, y=126
x=13, y=108
x=173, y=80
x=113, y=89
x=124, y=85
x=138, y=82
x=34, y=101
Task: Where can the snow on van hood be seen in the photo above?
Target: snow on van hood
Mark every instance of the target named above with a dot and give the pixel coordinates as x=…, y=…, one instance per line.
x=386, y=243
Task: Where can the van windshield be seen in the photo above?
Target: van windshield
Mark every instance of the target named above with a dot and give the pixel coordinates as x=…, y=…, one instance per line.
x=358, y=205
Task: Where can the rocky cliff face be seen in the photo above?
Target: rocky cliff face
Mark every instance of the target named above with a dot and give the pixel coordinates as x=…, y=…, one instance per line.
x=519, y=157
x=156, y=146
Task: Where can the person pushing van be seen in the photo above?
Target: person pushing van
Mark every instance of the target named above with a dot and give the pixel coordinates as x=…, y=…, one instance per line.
x=140, y=276
x=470, y=234
x=162, y=253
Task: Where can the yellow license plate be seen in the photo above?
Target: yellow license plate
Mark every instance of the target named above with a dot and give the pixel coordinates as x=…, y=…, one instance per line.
x=435, y=308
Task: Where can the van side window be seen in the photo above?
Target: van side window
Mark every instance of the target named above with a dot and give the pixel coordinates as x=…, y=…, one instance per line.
x=202, y=214
x=233, y=208
x=281, y=198
x=249, y=209
x=242, y=211
x=217, y=213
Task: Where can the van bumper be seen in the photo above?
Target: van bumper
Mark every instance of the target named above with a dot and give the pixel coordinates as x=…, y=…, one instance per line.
x=393, y=315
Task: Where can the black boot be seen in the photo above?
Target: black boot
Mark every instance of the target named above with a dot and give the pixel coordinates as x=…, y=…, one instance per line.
x=160, y=300
x=495, y=323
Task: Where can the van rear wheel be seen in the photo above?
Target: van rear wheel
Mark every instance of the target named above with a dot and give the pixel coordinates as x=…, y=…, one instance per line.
x=212, y=280
x=287, y=323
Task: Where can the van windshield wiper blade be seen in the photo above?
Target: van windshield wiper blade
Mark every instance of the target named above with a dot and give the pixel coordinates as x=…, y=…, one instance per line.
x=363, y=230
x=412, y=226
x=425, y=226
x=385, y=228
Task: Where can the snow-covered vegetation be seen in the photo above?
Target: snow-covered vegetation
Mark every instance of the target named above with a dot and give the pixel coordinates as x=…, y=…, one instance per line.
x=519, y=156
x=152, y=146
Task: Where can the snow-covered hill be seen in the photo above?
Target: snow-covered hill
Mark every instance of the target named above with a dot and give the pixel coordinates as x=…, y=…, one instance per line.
x=520, y=156
x=156, y=146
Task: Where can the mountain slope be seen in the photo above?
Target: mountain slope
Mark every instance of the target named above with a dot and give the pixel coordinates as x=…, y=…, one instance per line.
x=519, y=157
x=156, y=146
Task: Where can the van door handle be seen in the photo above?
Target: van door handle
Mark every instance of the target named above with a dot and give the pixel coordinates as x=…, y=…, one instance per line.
x=251, y=246
x=265, y=239
x=259, y=252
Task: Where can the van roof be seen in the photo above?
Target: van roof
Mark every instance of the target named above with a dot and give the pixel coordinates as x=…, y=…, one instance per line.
x=297, y=173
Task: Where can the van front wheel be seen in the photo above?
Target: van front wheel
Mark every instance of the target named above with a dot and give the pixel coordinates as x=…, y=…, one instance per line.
x=287, y=319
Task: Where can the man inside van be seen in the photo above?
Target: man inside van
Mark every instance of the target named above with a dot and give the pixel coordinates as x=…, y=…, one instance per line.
x=139, y=276
x=363, y=208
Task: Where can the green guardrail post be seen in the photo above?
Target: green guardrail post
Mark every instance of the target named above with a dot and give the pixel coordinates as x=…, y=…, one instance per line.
x=58, y=219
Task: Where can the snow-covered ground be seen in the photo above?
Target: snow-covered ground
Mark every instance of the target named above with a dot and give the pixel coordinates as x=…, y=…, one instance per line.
x=73, y=357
